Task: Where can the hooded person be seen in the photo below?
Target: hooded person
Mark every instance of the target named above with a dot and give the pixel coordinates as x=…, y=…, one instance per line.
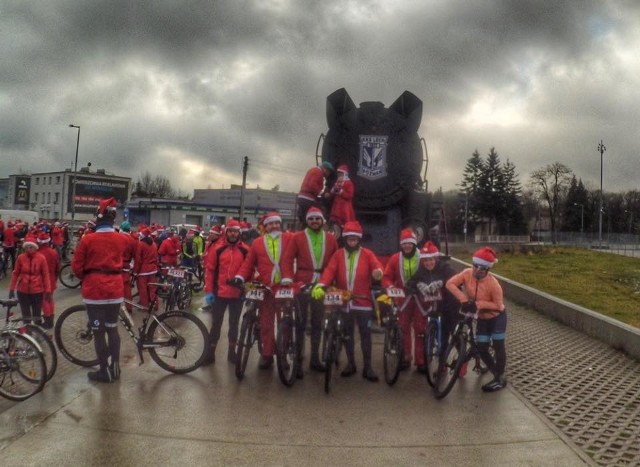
x=481, y=295
x=31, y=279
x=97, y=261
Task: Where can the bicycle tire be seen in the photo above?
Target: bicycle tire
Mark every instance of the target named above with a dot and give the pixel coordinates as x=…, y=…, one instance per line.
x=23, y=371
x=449, y=368
x=287, y=351
x=432, y=351
x=244, y=345
x=74, y=336
x=49, y=351
x=329, y=359
x=68, y=278
x=179, y=340
x=392, y=353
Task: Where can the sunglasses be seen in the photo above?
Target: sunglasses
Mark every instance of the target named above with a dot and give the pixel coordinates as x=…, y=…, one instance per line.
x=480, y=268
x=318, y=219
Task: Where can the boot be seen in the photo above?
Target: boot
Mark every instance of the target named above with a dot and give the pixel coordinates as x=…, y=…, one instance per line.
x=349, y=370
x=316, y=365
x=101, y=376
x=405, y=365
x=47, y=322
x=265, y=363
x=369, y=374
x=114, y=369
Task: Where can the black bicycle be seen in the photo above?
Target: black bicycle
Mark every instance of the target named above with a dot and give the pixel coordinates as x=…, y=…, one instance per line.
x=434, y=346
x=176, y=340
x=462, y=348
x=388, y=312
x=334, y=336
x=68, y=278
x=254, y=294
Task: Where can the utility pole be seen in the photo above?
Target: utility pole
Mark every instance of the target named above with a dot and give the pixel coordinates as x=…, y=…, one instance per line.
x=601, y=149
x=245, y=169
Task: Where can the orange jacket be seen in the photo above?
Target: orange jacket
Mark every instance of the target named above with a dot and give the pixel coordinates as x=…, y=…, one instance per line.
x=486, y=292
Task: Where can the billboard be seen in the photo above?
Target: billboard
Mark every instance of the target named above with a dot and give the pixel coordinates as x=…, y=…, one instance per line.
x=22, y=188
x=90, y=190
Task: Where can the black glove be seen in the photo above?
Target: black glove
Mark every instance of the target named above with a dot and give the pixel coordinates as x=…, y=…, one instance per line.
x=12, y=294
x=469, y=308
x=235, y=282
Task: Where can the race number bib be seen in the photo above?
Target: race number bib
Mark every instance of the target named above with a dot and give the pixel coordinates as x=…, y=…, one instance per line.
x=395, y=292
x=284, y=293
x=177, y=273
x=255, y=294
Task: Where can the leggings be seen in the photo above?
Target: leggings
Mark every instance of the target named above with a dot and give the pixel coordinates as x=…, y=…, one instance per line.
x=31, y=306
x=103, y=319
x=492, y=333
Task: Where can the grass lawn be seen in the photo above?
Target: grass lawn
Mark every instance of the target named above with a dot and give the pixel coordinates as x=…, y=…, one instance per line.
x=603, y=282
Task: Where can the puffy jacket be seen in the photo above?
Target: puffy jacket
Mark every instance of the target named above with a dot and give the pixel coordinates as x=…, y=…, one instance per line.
x=98, y=262
x=222, y=263
x=31, y=274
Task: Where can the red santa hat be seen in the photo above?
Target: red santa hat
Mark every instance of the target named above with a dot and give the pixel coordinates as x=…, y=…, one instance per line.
x=31, y=241
x=314, y=212
x=408, y=236
x=485, y=256
x=232, y=224
x=191, y=233
x=43, y=238
x=106, y=205
x=344, y=169
x=429, y=250
x=217, y=230
x=244, y=226
x=352, y=228
x=145, y=232
x=272, y=216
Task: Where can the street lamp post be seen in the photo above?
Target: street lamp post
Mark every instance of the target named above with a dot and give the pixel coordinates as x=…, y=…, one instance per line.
x=75, y=174
x=601, y=149
x=581, y=216
x=466, y=214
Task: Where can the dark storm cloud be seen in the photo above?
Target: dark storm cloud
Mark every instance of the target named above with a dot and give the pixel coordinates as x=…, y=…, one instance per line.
x=187, y=89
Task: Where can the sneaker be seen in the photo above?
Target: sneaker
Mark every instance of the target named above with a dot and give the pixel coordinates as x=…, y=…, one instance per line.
x=495, y=385
x=100, y=376
x=369, y=374
x=463, y=370
x=114, y=369
x=349, y=370
x=317, y=365
x=265, y=363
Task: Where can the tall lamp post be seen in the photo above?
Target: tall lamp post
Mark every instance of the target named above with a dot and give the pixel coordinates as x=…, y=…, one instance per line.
x=75, y=173
x=601, y=150
x=581, y=216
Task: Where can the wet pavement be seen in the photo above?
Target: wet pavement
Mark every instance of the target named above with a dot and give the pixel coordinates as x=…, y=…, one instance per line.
x=151, y=417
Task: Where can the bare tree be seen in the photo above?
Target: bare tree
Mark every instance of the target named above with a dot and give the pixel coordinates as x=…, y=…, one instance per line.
x=550, y=184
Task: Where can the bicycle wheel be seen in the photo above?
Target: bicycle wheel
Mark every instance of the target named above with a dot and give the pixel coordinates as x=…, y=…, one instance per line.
x=432, y=351
x=68, y=278
x=178, y=341
x=74, y=336
x=46, y=345
x=392, y=354
x=244, y=344
x=449, y=368
x=329, y=358
x=287, y=351
x=23, y=370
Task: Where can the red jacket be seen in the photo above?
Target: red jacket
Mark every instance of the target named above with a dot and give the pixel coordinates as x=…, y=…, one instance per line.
x=31, y=274
x=260, y=259
x=342, y=207
x=146, y=259
x=337, y=272
x=98, y=262
x=9, y=237
x=300, y=251
x=57, y=236
x=312, y=184
x=170, y=250
x=222, y=263
x=53, y=264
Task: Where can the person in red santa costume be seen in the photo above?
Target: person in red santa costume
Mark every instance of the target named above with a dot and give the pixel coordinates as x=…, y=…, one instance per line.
x=353, y=268
x=399, y=269
x=265, y=258
x=342, y=193
x=310, y=251
x=145, y=266
x=31, y=277
x=53, y=262
x=311, y=189
x=97, y=261
x=169, y=250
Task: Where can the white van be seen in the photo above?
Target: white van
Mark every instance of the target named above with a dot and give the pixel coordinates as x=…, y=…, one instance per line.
x=15, y=214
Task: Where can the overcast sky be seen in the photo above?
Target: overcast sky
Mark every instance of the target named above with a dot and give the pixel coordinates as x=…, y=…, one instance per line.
x=186, y=89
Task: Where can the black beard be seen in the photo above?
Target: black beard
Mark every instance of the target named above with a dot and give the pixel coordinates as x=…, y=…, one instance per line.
x=351, y=249
x=233, y=239
x=410, y=254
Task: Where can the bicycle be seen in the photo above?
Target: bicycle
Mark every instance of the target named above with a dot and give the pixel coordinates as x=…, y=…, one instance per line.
x=462, y=348
x=393, y=350
x=176, y=340
x=68, y=278
x=290, y=334
x=434, y=346
x=254, y=294
x=43, y=339
x=334, y=335
x=181, y=294
x=23, y=371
